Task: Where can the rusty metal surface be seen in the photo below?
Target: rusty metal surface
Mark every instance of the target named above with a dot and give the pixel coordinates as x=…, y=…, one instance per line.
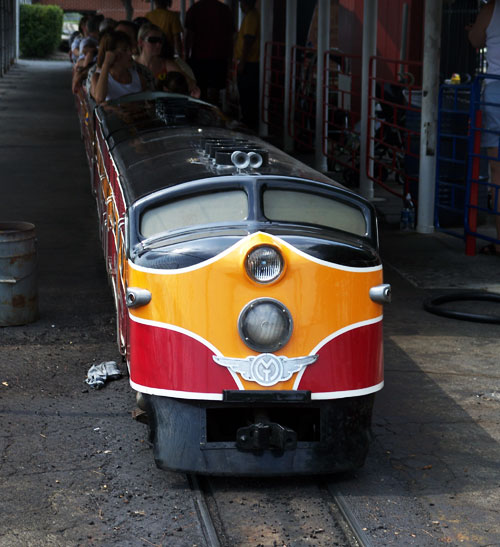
x=18, y=276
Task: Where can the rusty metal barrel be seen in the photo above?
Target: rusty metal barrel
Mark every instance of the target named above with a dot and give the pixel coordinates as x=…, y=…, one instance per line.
x=18, y=274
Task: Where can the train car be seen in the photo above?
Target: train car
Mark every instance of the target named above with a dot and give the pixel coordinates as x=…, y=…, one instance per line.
x=248, y=289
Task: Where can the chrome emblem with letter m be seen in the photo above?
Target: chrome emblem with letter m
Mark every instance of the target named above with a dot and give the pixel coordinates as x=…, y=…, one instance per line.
x=266, y=369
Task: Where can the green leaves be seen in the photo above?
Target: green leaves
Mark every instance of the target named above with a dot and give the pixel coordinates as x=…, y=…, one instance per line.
x=40, y=29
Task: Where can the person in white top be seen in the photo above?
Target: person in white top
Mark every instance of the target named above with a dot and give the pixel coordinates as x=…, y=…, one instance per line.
x=485, y=32
x=115, y=76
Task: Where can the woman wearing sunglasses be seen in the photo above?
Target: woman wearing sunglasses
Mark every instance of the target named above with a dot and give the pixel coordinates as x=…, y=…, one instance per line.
x=157, y=54
x=115, y=75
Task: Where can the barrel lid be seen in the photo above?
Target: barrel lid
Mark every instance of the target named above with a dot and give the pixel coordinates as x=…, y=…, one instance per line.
x=16, y=226
x=16, y=230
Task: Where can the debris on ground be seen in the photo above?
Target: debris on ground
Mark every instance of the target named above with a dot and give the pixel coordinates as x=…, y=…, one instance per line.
x=140, y=415
x=99, y=374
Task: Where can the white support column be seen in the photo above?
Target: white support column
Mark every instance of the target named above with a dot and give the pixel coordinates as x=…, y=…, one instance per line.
x=428, y=123
x=370, y=21
x=290, y=41
x=266, y=35
x=321, y=114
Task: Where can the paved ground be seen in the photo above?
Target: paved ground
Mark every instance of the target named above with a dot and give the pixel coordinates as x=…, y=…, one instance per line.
x=75, y=468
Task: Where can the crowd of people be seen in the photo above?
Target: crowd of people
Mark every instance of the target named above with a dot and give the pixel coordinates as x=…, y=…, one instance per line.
x=114, y=58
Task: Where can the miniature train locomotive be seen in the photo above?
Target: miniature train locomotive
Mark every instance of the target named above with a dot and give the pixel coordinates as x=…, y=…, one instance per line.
x=248, y=290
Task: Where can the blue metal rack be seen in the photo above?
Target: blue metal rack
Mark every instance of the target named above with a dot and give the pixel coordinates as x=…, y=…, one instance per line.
x=462, y=183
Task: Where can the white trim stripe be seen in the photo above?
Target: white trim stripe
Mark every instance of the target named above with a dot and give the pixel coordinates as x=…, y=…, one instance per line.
x=332, y=265
x=344, y=330
x=349, y=393
x=176, y=394
x=221, y=255
x=193, y=268
x=330, y=337
x=188, y=333
x=175, y=328
x=218, y=396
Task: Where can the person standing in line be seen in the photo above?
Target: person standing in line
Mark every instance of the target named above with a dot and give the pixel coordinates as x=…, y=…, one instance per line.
x=247, y=54
x=169, y=23
x=485, y=32
x=209, y=45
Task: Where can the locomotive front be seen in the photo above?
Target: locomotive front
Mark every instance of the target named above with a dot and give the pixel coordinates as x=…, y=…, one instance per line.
x=253, y=294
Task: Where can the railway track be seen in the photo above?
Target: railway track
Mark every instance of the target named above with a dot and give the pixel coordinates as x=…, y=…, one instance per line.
x=274, y=511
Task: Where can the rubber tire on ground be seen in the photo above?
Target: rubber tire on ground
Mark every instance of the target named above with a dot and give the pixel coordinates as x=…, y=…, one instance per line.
x=433, y=306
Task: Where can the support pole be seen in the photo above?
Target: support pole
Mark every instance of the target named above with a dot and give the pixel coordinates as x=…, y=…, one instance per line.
x=240, y=15
x=470, y=240
x=290, y=41
x=183, y=13
x=404, y=39
x=370, y=21
x=428, y=123
x=266, y=35
x=323, y=46
x=17, y=30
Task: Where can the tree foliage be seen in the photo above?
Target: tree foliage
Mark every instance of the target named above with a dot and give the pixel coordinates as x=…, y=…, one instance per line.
x=40, y=29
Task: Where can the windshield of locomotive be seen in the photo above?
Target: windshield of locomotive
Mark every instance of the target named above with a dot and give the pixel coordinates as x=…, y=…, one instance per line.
x=302, y=207
x=195, y=210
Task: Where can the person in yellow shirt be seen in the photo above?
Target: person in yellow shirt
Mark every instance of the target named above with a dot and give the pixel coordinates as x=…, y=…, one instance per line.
x=169, y=22
x=247, y=55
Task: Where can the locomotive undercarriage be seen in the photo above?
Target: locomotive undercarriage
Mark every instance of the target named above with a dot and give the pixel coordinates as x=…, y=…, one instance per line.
x=265, y=438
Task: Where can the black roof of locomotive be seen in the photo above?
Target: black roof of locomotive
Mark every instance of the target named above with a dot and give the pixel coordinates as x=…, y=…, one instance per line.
x=157, y=141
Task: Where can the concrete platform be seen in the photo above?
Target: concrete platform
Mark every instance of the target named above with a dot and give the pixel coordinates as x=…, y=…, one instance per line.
x=77, y=470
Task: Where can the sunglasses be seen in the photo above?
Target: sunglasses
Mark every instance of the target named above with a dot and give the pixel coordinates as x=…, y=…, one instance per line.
x=154, y=39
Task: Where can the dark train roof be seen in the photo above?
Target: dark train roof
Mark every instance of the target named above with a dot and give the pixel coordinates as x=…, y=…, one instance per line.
x=159, y=141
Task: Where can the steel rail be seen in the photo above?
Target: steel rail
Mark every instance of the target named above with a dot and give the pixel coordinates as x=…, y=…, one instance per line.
x=350, y=518
x=203, y=512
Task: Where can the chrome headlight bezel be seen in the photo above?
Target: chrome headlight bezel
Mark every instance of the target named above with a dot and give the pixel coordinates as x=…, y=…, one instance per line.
x=271, y=344
x=255, y=264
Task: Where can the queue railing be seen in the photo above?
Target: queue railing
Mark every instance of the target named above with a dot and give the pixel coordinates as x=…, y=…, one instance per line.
x=394, y=114
x=302, y=112
x=341, y=139
x=273, y=87
x=467, y=203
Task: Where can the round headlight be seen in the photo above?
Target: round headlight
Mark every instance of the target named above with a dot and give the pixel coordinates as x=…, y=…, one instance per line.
x=265, y=325
x=264, y=264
